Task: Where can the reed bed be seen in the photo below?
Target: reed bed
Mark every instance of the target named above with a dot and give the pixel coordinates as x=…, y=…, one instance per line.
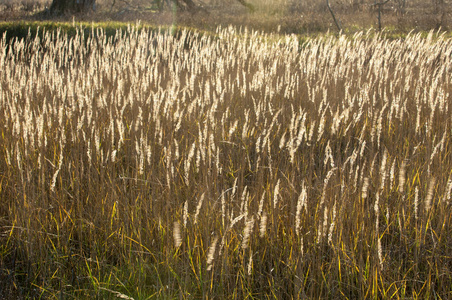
x=235, y=165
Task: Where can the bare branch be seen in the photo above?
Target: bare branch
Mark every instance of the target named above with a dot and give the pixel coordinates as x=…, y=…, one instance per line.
x=338, y=25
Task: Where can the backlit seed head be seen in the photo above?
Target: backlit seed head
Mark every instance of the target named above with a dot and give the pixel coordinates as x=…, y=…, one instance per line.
x=176, y=235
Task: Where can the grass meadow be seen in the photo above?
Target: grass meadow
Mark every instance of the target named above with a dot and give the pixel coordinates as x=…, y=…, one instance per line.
x=153, y=164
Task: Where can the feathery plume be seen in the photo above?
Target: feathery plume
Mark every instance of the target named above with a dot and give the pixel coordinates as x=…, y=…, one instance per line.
x=402, y=172
x=263, y=225
x=332, y=224
x=261, y=204
x=198, y=207
x=428, y=199
x=276, y=193
x=211, y=253
x=176, y=235
x=185, y=215
x=364, y=193
x=250, y=264
x=447, y=194
x=300, y=204
x=392, y=174
x=247, y=232
x=383, y=169
x=416, y=202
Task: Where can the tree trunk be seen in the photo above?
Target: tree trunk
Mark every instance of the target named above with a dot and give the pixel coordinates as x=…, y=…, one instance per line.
x=72, y=6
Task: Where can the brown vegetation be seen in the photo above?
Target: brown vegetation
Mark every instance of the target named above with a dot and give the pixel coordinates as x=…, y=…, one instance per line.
x=229, y=166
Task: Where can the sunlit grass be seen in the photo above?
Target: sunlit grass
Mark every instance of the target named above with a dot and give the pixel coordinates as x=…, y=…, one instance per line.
x=225, y=165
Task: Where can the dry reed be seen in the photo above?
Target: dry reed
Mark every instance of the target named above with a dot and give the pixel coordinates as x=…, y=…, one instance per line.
x=107, y=144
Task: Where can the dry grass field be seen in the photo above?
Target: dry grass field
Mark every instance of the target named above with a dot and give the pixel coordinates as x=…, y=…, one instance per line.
x=155, y=165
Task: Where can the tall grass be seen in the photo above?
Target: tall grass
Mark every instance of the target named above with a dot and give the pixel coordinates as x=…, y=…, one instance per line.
x=153, y=165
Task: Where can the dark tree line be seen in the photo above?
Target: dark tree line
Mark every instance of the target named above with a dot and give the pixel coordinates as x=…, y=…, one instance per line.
x=83, y=6
x=72, y=6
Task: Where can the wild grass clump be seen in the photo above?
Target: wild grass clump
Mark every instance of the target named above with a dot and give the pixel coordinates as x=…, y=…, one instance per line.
x=246, y=165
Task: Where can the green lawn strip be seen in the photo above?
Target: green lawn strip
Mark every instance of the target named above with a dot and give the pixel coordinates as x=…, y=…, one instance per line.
x=24, y=29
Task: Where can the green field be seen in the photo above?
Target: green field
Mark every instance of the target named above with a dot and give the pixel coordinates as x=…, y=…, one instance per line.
x=148, y=162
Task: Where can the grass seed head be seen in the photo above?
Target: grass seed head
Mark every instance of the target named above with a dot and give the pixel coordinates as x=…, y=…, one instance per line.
x=176, y=235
